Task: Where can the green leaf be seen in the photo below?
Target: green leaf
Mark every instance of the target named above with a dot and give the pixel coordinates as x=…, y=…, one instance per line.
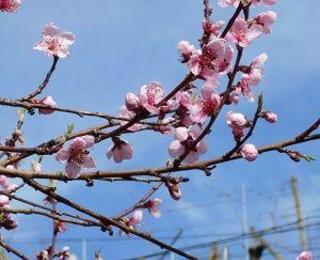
x=69, y=131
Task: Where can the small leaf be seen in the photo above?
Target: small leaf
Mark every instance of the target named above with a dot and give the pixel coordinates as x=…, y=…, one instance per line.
x=309, y=158
x=69, y=131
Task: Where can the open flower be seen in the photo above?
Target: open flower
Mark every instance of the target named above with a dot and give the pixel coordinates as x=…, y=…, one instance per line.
x=251, y=77
x=77, y=155
x=266, y=19
x=135, y=219
x=153, y=207
x=120, y=150
x=242, y=33
x=249, y=152
x=205, y=106
x=150, y=95
x=55, y=42
x=10, y=6
x=215, y=58
x=184, y=141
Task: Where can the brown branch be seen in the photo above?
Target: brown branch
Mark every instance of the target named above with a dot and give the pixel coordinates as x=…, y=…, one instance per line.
x=311, y=129
x=45, y=82
x=81, y=113
x=12, y=250
x=232, y=20
x=105, y=221
x=48, y=215
x=155, y=172
x=140, y=203
x=55, y=212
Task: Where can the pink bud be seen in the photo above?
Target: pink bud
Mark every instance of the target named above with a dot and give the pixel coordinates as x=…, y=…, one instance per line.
x=60, y=227
x=4, y=200
x=174, y=190
x=249, y=152
x=135, y=219
x=132, y=102
x=48, y=101
x=153, y=207
x=269, y=116
x=236, y=119
x=3, y=180
x=305, y=255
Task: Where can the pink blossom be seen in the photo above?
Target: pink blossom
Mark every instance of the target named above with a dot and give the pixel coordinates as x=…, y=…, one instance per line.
x=235, y=3
x=225, y=3
x=266, y=2
x=48, y=101
x=150, y=95
x=10, y=6
x=11, y=187
x=153, y=207
x=215, y=58
x=166, y=126
x=185, y=49
x=252, y=76
x=207, y=104
x=249, y=152
x=132, y=102
x=55, y=42
x=242, y=33
x=269, y=116
x=184, y=141
x=135, y=219
x=266, y=19
x=120, y=150
x=213, y=29
x=77, y=155
x=4, y=200
x=125, y=113
x=60, y=226
x=305, y=255
x=237, y=122
x=174, y=189
x=4, y=181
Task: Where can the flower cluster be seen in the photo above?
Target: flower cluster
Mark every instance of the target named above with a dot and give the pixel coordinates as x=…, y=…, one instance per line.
x=6, y=220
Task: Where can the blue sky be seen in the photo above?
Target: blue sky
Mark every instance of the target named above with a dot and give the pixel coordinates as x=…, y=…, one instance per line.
x=122, y=45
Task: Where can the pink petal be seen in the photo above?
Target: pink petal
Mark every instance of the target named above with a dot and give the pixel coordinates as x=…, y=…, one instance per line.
x=88, y=162
x=72, y=169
